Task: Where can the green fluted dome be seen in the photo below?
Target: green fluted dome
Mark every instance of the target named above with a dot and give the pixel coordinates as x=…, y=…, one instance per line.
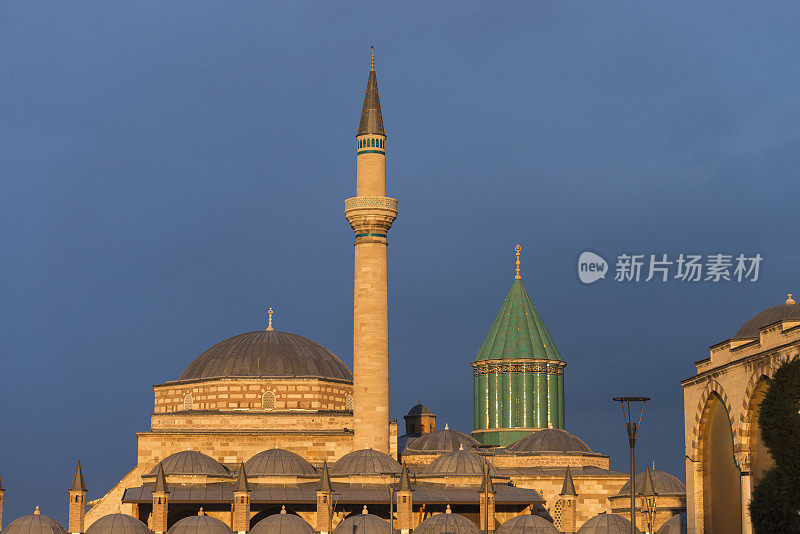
x=518, y=331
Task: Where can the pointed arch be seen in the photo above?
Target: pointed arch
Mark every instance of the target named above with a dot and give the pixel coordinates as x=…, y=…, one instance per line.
x=712, y=388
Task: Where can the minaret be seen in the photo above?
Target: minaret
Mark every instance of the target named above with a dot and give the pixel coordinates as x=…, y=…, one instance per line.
x=241, y=501
x=325, y=502
x=405, y=503
x=160, y=502
x=370, y=214
x=568, y=495
x=77, y=502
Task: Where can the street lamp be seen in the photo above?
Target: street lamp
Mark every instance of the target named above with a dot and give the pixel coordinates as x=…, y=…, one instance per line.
x=633, y=430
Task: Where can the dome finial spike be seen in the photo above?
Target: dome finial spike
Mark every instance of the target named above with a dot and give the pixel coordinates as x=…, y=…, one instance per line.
x=283, y=509
x=517, y=249
x=269, y=322
x=790, y=300
x=448, y=510
x=201, y=512
x=36, y=512
x=364, y=510
x=372, y=66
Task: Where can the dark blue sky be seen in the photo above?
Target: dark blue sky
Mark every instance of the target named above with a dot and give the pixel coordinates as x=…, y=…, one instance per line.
x=170, y=169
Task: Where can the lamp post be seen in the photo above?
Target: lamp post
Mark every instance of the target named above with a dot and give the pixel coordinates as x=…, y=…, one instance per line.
x=633, y=430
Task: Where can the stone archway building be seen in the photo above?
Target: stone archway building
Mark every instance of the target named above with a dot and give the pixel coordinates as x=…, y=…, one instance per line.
x=725, y=457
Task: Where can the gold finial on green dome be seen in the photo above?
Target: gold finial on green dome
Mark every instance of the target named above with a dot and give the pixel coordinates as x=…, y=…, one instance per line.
x=518, y=249
x=269, y=323
x=372, y=66
x=790, y=300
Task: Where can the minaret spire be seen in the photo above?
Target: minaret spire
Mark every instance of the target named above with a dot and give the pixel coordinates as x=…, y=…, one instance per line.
x=371, y=117
x=372, y=67
x=518, y=249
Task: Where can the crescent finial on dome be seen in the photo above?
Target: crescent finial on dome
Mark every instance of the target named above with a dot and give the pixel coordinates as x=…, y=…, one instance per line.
x=269, y=323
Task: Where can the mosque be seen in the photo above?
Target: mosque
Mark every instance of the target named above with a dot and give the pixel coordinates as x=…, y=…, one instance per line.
x=269, y=432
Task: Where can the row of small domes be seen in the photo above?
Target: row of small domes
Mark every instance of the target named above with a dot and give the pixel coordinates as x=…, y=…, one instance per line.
x=540, y=441
x=363, y=523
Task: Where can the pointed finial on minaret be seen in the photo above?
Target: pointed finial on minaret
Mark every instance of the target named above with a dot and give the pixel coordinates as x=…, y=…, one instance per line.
x=372, y=66
x=36, y=512
x=518, y=249
x=269, y=323
x=790, y=300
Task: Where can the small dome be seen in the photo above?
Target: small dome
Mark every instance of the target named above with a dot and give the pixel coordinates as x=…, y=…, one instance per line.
x=459, y=463
x=783, y=312
x=363, y=524
x=549, y=440
x=34, y=524
x=419, y=409
x=278, y=462
x=366, y=462
x=447, y=524
x=191, y=463
x=443, y=441
x=282, y=524
x=607, y=524
x=269, y=354
x=199, y=524
x=117, y=524
x=527, y=524
x=675, y=525
x=663, y=483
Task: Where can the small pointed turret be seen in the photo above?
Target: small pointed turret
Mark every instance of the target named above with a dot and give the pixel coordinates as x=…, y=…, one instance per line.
x=568, y=488
x=77, y=479
x=487, y=485
x=161, y=481
x=325, y=485
x=405, y=479
x=648, y=489
x=241, y=480
x=371, y=117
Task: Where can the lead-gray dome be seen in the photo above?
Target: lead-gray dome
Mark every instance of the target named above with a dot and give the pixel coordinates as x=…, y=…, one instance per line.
x=117, y=524
x=35, y=523
x=419, y=409
x=675, y=525
x=663, y=484
x=442, y=441
x=784, y=312
x=527, y=524
x=191, y=463
x=199, y=524
x=447, y=524
x=549, y=440
x=269, y=354
x=366, y=462
x=458, y=463
x=282, y=524
x=278, y=462
x=363, y=524
x=607, y=524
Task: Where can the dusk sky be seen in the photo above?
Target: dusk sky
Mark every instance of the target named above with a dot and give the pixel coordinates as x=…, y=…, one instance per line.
x=172, y=169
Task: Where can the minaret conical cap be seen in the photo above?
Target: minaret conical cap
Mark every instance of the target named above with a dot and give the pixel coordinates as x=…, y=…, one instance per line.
x=568, y=488
x=77, y=479
x=241, y=480
x=371, y=117
x=405, y=480
x=325, y=485
x=161, y=480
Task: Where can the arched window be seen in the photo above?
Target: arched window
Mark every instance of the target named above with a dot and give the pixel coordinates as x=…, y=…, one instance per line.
x=268, y=401
x=348, y=403
x=188, y=402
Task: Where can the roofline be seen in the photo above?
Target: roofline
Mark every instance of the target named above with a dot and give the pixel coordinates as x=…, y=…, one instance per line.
x=210, y=378
x=700, y=376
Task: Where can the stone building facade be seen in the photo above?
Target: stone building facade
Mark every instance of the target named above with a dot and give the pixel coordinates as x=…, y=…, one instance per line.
x=725, y=456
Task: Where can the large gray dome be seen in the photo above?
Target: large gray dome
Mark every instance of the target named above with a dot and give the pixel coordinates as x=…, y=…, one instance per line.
x=282, y=524
x=269, y=354
x=527, y=524
x=607, y=524
x=363, y=524
x=442, y=441
x=191, y=463
x=199, y=524
x=447, y=524
x=458, y=463
x=549, y=440
x=675, y=525
x=366, y=462
x=784, y=312
x=117, y=524
x=35, y=523
x=663, y=484
x=278, y=462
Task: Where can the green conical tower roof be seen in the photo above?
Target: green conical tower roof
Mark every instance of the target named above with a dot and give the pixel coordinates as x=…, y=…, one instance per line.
x=518, y=331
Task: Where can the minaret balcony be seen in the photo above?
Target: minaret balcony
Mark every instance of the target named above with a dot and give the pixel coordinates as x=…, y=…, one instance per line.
x=370, y=217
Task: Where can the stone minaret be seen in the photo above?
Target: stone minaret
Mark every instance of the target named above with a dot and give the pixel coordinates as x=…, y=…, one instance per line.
x=405, y=503
x=160, y=502
x=324, y=502
x=487, y=500
x=241, y=502
x=1, y=504
x=77, y=502
x=568, y=495
x=370, y=214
